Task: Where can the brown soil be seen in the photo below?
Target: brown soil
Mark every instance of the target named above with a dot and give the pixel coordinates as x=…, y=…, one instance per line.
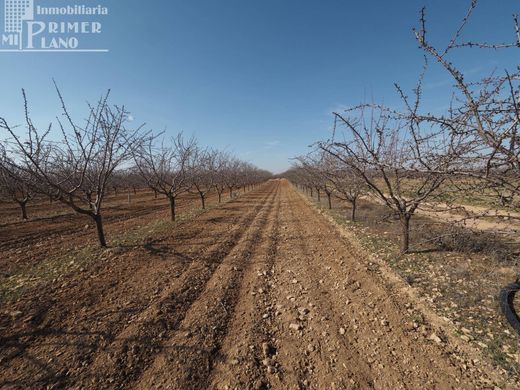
x=261, y=292
x=51, y=226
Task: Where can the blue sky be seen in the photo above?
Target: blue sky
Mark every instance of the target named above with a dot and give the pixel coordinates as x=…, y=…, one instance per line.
x=258, y=78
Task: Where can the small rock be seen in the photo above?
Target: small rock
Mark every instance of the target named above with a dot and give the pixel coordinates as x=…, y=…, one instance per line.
x=16, y=314
x=342, y=331
x=294, y=326
x=303, y=310
x=268, y=362
x=266, y=349
x=435, y=338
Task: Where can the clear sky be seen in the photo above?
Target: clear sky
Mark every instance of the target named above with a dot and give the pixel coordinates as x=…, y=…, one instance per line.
x=259, y=78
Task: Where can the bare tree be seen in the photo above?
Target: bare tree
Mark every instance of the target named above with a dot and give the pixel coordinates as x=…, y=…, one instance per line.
x=348, y=186
x=165, y=167
x=204, y=166
x=14, y=184
x=221, y=167
x=76, y=170
x=487, y=109
x=400, y=161
x=316, y=167
x=233, y=175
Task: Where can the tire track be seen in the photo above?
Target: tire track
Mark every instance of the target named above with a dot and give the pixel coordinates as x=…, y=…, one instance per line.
x=137, y=345
x=127, y=296
x=322, y=346
x=374, y=340
x=191, y=353
x=249, y=339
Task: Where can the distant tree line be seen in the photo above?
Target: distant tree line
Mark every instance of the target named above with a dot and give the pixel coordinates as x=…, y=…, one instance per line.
x=79, y=163
x=409, y=158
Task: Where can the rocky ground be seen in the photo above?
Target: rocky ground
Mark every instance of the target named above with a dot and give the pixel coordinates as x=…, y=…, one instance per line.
x=261, y=292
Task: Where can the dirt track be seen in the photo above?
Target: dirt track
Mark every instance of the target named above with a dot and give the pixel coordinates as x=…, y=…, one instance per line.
x=262, y=292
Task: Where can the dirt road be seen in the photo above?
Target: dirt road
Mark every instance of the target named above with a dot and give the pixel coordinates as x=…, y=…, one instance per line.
x=262, y=292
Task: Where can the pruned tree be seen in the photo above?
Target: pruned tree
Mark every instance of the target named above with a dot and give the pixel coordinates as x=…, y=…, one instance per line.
x=233, y=175
x=165, y=167
x=486, y=109
x=401, y=159
x=76, y=170
x=14, y=184
x=204, y=167
x=348, y=186
x=315, y=165
x=221, y=168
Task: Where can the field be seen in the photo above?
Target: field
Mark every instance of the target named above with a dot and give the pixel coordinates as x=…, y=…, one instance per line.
x=262, y=291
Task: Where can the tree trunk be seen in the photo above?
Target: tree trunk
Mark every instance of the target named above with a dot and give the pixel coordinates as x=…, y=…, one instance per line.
x=155, y=194
x=330, y=200
x=220, y=197
x=203, y=200
x=230, y=192
x=135, y=191
x=23, y=206
x=312, y=193
x=353, y=213
x=172, y=207
x=405, y=238
x=100, y=231
x=319, y=195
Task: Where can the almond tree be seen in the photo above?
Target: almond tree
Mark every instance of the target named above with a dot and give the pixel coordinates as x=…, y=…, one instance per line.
x=401, y=159
x=77, y=169
x=165, y=167
x=487, y=109
x=204, y=166
x=222, y=160
x=14, y=184
x=233, y=175
x=315, y=166
x=299, y=177
x=347, y=185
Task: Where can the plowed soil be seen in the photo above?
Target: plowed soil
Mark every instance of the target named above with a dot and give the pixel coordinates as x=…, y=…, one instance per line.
x=261, y=292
